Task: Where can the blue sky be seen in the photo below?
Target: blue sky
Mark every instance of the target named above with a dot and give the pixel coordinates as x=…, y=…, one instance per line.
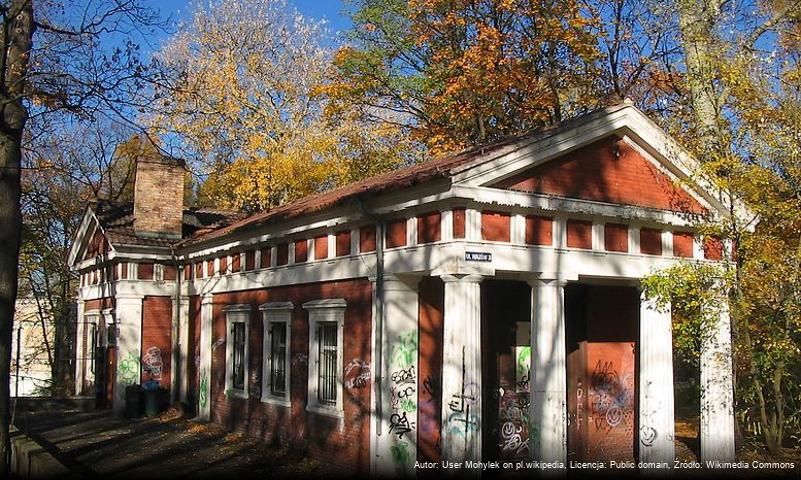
x=330, y=10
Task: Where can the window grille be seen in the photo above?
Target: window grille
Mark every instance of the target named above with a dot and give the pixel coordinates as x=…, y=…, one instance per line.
x=278, y=358
x=239, y=355
x=327, y=376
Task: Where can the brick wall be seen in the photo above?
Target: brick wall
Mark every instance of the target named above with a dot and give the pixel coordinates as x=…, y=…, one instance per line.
x=158, y=198
x=156, y=340
x=495, y=226
x=344, y=443
x=609, y=170
x=429, y=403
x=539, y=230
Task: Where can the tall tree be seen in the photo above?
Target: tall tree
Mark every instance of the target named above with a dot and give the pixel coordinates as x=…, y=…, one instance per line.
x=250, y=105
x=469, y=72
x=54, y=61
x=744, y=104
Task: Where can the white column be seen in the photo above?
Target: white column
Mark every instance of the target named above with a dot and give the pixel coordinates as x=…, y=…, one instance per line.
x=396, y=443
x=183, y=344
x=129, y=324
x=80, y=361
x=548, y=407
x=717, y=392
x=461, y=369
x=204, y=389
x=656, y=384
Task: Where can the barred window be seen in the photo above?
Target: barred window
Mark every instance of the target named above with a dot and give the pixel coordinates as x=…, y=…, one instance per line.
x=239, y=355
x=278, y=358
x=326, y=330
x=327, y=373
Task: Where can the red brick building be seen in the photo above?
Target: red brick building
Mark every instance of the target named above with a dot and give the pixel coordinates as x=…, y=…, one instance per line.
x=474, y=307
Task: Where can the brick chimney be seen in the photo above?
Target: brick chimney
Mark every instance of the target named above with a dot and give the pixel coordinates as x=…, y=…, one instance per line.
x=158, y=195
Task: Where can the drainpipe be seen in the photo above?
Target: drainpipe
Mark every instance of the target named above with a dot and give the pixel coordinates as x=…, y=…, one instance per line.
x=175, y=393
x=379, y=311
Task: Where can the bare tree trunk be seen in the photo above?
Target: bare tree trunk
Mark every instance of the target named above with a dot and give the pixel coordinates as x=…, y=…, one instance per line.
x=17, y=39
x=696, y=21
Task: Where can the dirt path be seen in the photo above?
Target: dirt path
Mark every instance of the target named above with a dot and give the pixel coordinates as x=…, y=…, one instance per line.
x=98, y=444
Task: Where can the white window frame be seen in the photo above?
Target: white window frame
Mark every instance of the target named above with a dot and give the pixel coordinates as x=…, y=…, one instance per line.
x=236, y=314
x=276, y=312
x=326, y=310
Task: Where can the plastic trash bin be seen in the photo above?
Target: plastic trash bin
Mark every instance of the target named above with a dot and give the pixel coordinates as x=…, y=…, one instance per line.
x=133, y=401
x=151, y=388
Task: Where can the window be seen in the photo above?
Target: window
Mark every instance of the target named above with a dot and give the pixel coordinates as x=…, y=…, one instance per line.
x=277, y=317
x=327, y=370
x=236, y=350
x=239, y=355
x=326, y=324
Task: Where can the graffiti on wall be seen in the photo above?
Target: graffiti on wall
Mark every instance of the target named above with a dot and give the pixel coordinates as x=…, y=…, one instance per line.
x=460, y=421
x=128, y=369
x=400, y=452
x=523, y=367
x=203, y=394
x=403, y=393
x=300, y=358
x=152, y=363
x=610, y=397
x=357, y=374
x=514, y=413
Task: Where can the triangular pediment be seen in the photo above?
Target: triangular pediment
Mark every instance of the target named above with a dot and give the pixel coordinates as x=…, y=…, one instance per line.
x=610, y=170
x=90, y=241
x=614, y=156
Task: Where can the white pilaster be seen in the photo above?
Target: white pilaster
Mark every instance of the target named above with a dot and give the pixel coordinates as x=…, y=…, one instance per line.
x=461, y=369
x=204, y=388
x=80, y=361
x=128, y=313
x=518, y=227
x=634, y=239
x=257, y=259
x=698, y=247
x=472, y=224
x=717, y=391
x=598, y=240
x=548, y=407
x=183, y=343
x=411, y=231
x=332, y=245
x=560, y=232
x=446, y=225
x=396, y=445
x=667, y=243
x=354, y=241
x=656, y=384
x=291, y=252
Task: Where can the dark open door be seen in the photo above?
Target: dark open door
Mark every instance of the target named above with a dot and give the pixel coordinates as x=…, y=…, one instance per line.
x=506, y=365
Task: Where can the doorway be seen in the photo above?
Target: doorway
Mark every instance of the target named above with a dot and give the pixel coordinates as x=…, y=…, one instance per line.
x=602, y=324
x=506, y=368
